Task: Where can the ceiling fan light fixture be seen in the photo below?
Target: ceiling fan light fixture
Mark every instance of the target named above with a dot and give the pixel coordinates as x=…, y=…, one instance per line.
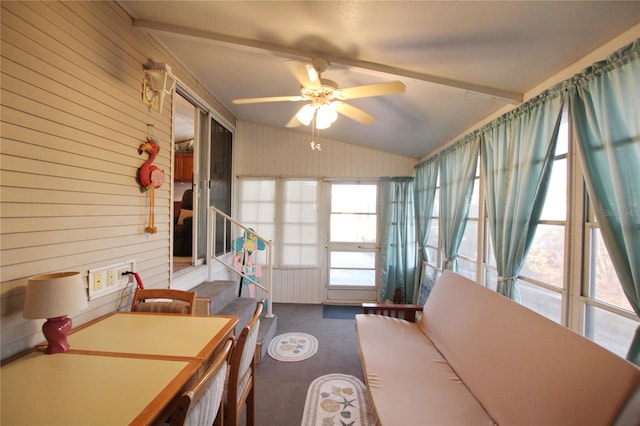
x=322, y=125
x=326, y=116
x=306, y=113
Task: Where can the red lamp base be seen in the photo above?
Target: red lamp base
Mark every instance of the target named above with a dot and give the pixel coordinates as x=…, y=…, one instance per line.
x=56, y=330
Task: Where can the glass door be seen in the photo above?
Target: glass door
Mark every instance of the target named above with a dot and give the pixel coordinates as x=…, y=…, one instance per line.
x=220, y=178
x=352, y=249
x=201, y=178
x=185, y=144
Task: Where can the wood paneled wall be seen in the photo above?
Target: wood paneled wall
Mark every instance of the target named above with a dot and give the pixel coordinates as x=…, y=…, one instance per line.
x=269, y=152
x=72, y=120
x=294, y=285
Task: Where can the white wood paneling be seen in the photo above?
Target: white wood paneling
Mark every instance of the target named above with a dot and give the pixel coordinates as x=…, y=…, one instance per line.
x=72, y=122
x=295, y=285
x=265, y=151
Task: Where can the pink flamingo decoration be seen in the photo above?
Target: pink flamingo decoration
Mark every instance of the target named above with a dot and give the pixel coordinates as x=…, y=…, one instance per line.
x=151, y=177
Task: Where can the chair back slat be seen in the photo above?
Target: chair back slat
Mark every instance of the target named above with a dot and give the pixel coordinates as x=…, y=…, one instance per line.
x=164, y=300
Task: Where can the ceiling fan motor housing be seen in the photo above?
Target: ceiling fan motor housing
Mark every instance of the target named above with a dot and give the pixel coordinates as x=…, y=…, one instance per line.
x=323, y=94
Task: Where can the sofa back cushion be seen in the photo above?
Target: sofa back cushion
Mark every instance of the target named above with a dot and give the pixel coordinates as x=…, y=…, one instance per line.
x=522, y=367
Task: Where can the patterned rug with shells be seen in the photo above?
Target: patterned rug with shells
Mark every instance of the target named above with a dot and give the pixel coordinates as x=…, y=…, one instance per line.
x=336, y=399
x=292, y=347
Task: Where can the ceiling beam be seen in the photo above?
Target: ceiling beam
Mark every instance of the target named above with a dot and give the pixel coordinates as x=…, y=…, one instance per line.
x=152, y=27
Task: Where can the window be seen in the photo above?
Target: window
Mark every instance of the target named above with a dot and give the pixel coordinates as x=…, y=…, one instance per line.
x=434, y=249
x=300, y=223
x=542, y=276
x=285, y=211
x=604, y=285
x=609, y=319
x=541, y=280
x=353, y=213
x=468, y=250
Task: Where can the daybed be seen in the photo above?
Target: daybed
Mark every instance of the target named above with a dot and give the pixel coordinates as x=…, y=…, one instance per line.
x=475, y=357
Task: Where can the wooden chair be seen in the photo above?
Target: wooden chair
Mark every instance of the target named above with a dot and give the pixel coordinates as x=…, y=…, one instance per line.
x=240, y=386
x=179, y=301
x=201, y=404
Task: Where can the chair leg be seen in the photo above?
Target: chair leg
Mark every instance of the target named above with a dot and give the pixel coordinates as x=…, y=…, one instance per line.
x=251, y=407
x=219, y=416
x=232, y=415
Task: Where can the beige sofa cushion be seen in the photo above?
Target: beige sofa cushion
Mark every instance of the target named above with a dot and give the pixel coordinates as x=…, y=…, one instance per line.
x=409, y=382
x=523, y=368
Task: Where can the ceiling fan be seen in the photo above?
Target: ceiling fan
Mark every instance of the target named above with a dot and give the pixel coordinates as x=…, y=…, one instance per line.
x=326, y=99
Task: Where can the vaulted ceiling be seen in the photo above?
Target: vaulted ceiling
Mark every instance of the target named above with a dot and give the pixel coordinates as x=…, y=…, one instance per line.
x=460, y=61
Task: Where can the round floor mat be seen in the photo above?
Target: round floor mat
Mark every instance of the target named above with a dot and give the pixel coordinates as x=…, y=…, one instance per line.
x=292, y=347
x=336, y=399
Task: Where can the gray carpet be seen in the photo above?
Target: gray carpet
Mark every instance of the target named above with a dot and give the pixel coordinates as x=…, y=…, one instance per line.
x=281, y=387
x=340, y=311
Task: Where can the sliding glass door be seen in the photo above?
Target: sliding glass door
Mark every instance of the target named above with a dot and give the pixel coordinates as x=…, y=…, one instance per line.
x=201, y=178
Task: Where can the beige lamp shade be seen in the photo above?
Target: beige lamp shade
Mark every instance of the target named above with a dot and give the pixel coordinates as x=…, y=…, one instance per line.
x=54, y=295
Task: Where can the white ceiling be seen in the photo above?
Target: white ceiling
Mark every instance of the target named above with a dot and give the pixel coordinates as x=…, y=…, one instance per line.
x=459, y=60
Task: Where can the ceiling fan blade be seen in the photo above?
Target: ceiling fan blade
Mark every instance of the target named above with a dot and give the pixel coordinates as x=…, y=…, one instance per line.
x=306, y=75
x=353, y=113
x=268, y=99
x=377, y=89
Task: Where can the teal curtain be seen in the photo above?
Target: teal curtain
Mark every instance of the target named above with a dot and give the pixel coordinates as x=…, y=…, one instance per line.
x=425, y=190
x=605, y=112
x=398, y=239
x=517, y=157
x=457, y=174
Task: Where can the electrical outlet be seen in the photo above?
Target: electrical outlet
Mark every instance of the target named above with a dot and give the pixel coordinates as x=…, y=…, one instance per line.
x=97, y=281
x=111, y=277
x=108, y=279
x=122, y=278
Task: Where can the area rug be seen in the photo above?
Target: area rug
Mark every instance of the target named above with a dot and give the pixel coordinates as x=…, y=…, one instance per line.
x=292, y=347
x=336, y=399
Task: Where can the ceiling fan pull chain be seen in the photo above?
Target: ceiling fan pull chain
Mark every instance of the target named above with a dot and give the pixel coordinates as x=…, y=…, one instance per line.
x=317, y=148
x=315, y=131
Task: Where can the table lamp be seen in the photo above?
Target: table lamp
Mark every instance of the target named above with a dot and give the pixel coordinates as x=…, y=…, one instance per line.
x=54, y=296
